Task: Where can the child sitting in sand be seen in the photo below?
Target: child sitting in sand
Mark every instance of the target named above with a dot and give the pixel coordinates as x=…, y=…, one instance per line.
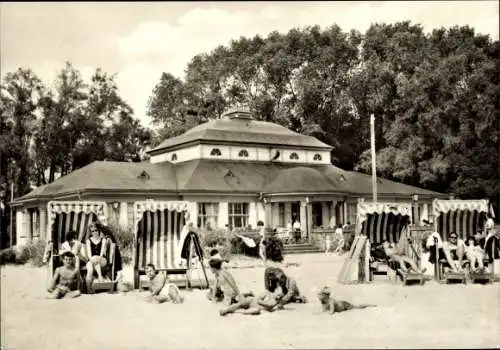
x=330, y=305
x=400, y=257
x=66, y=279
x=160, y=290
x=288, y=291
x=474, y=254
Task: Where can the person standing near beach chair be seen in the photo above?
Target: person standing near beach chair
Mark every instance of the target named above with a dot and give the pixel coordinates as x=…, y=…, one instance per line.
x=66, y=279
x=161, y=291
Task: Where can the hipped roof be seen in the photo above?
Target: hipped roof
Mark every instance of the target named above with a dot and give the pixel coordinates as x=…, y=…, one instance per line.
x=215, y=176
x=243, y=131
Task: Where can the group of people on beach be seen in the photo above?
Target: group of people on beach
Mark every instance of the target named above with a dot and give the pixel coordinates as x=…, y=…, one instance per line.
x=455, y=253
x=93, y=253
x=280, y=288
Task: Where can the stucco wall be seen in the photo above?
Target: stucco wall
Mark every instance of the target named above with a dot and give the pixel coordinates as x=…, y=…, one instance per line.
x=229, y=152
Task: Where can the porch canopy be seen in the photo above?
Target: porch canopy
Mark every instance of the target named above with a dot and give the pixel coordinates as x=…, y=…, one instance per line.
x=463, y=217
x=159, y=233
x=383, y=221
x=73, y=215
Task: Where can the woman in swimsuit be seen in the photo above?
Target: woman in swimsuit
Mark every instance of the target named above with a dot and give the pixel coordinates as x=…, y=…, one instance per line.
x=96, y=247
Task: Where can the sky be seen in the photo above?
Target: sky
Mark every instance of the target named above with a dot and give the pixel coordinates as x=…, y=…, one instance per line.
x=140, y=40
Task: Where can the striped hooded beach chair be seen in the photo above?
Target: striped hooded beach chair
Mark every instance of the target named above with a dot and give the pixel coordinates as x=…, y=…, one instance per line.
x=390, y=222
x=159, y=238
x=65, y=216
x=464, y=218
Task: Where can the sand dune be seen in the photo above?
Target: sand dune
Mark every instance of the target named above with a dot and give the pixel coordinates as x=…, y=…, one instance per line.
x=429, y=316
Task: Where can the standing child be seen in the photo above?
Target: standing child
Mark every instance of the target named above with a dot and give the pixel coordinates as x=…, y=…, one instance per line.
x=328, y=243
x=339, y=238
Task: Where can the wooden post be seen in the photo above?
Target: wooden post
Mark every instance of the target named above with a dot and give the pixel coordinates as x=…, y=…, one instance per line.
x=374, y=158
x=11, y=237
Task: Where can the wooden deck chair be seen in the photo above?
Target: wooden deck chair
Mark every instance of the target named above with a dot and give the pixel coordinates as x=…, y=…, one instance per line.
x=65, y=216
x=389, y=222
x=464, y=217
x=158, y=240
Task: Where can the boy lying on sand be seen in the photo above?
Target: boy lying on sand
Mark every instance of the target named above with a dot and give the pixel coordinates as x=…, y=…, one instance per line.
x=226, y=290
x=160, y=291
x=65, y=280
x=330, y=305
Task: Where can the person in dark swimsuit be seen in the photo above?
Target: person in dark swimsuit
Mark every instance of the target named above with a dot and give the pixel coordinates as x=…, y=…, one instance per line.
x=96, y=248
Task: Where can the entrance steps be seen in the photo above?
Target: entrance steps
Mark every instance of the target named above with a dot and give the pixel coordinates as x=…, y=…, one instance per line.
x=300, y=248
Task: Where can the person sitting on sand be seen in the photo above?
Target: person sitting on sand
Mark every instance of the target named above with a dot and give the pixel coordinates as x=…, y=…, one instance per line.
x=399, y=256
x=65, y=280
x=330, y=305
x=275, y=277
x=97, y=246
x=226, y=290
x=474, y=254
x=160, y=290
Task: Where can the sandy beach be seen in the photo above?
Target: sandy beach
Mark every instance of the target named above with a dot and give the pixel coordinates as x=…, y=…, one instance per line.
x=429, y=316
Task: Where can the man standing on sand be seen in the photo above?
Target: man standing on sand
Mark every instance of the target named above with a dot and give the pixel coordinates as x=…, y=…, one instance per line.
x=66, y=279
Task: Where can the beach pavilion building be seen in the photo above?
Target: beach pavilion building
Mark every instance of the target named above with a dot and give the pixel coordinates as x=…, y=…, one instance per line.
x=234, y=171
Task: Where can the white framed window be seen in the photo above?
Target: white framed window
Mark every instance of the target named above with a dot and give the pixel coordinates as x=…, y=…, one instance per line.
x=238, y=214
x=294, y=156
x=317, y=157
x=208, y=215
x=243, y=153
x=215, y=152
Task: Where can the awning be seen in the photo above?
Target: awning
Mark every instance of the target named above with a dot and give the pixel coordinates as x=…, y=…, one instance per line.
x=367, y=208
x=151, y=205
x=463, y=217
x=86, y=207
x=73, y=215
x=446, y=205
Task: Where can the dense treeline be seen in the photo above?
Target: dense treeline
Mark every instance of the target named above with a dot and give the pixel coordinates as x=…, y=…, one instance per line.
x=48, y=132
x=435, y=98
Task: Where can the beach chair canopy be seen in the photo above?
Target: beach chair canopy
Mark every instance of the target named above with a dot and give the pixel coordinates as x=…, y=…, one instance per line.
x=383, y=221
x=464, y=217
x=73, y=215
x=159, y=233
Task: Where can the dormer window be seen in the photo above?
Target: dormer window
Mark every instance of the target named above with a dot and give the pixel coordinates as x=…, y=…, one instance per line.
x=173, y=157
x=215, y=152
x=317, y=156
x=243, y=153
x=294, y=156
